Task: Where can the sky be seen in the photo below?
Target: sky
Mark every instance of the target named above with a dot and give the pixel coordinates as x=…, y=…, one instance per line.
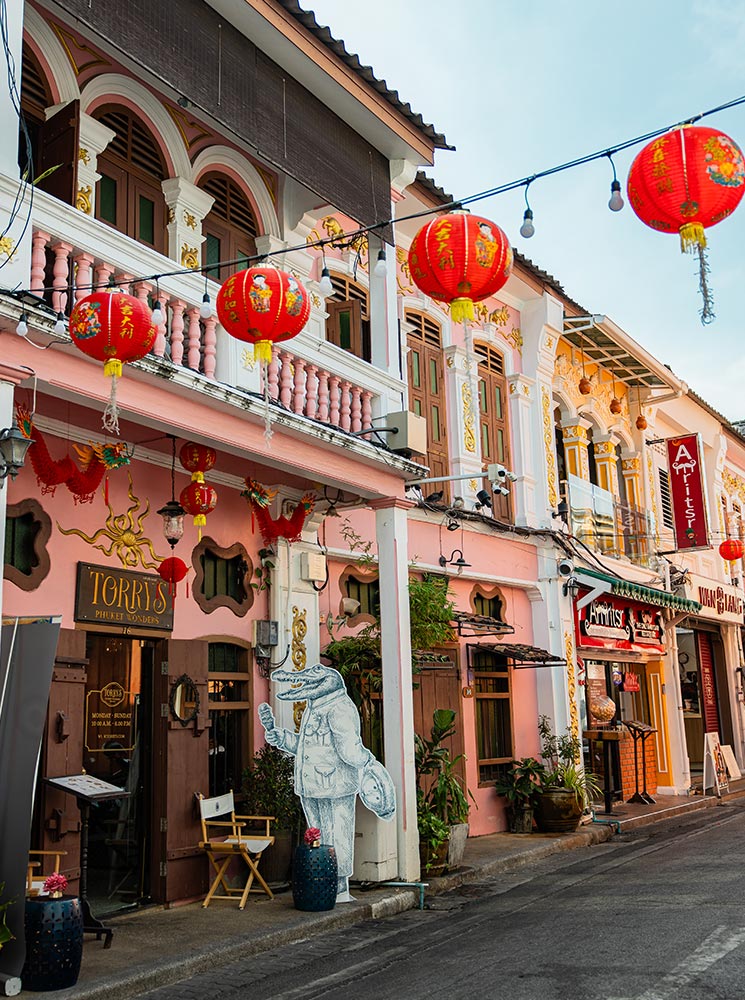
x=521, y=87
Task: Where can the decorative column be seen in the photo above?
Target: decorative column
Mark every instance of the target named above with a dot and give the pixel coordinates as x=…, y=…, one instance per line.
x=391, y=528
x=93, y=140
x=575, y=448
x=606, y=458
x=523, y=459
x=187, y=207
x=464, y=442
x=631, y=469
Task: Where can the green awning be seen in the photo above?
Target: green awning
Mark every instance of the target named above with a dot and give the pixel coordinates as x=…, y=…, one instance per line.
x=638, y=592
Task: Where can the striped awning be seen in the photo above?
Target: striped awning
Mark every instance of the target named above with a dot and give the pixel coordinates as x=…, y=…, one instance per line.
x=638, y=592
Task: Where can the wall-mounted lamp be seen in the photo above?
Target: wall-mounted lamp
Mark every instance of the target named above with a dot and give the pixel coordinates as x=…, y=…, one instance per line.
x=562, y=510
x=451, y=524
x=13, y=448
x=459, y=563
x=483, y=499
x=571, y=587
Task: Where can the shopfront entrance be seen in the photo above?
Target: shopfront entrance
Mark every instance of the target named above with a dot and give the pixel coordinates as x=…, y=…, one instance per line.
x=117, y=747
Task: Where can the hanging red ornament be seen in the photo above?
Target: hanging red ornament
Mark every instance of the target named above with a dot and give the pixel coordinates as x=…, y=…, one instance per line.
x=585, y=386
x=114, y=328
x=641, y=422
x=173, y=570
x=732, y=549
x=290, y=528
x=685, y=182
x=460, y=259
x=197, y=458
x=615, y=406
x=263, y=306
x=96, y=461
x=198, y=499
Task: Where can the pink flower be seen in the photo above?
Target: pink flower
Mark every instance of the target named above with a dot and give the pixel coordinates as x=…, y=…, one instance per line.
x=312, y=836
x=55, y=883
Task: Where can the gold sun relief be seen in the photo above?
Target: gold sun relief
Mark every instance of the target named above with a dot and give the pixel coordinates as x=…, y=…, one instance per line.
x=124, y=535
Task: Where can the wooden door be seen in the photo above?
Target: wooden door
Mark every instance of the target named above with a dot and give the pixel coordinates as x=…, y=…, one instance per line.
x=57, y=817
x=438, y=686
x=180, y=757
x=58, y=148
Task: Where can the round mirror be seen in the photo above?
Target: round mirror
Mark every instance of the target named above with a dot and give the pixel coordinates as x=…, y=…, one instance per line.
x=184, y=700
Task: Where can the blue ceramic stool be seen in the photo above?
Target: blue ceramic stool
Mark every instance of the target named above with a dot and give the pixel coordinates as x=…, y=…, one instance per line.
x=314, y=877
x=54, y=943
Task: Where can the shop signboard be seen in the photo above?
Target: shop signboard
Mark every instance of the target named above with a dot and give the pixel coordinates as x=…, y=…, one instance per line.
x=611, y=622
x=107, y=595
x=687, y=492
x=110, y=720
x=719, y=601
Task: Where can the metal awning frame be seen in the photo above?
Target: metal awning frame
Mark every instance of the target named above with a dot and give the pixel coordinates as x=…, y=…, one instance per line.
x=600, y=348
x=520, y=660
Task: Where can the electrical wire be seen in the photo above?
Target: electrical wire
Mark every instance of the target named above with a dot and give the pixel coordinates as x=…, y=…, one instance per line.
x=15, y=98
x=347, y=238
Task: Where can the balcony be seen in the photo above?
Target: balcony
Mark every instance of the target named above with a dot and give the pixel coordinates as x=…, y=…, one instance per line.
x=607, y=524
x=316, y=379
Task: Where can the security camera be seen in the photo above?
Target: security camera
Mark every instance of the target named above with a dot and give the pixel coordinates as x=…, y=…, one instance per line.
x=483, y=499
x=498, y=474
x=565, y=567
x=501, y=491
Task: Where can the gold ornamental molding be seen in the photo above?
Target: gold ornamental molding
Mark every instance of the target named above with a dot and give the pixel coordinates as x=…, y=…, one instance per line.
x=83, y=200
x=733, y=484
x=84, y=156
x=572, y=688
x=469, y=421
x=189, y=257
x=299, y=656
x=548, y=443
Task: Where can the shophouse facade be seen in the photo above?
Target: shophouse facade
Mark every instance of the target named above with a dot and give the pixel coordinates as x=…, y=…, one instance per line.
x=176, y=158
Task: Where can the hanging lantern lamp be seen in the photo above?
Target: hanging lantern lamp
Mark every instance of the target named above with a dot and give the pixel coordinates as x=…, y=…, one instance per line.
x=173, y=570
x=460, y=259
x=263, y=306
x=197, y=459
x=685, y=182
x=732, y=549
x=115, y=328
x=198, y=499
x=172, y=512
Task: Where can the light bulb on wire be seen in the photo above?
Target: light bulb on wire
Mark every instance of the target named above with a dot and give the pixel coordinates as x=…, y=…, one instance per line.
x=380, y=270
x=157, y=316
x=325, y=286
x=22, y=328
x=616, y=201
x=59, y=326
x=527, y=229
x=205, y=310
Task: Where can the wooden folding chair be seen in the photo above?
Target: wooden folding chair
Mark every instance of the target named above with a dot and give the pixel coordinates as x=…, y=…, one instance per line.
x=35, y=886
x=219, y=812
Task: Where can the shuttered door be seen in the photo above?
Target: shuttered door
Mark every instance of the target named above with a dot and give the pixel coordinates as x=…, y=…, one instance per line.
x=708, y=683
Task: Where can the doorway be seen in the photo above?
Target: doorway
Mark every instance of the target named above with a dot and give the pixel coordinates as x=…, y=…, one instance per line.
x=117, y=747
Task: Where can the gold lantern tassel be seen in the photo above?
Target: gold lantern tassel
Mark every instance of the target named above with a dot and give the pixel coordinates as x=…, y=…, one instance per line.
x=461, y=310
x=200, y=520
x=692, y=235
x=263, y=350
x=113, y=370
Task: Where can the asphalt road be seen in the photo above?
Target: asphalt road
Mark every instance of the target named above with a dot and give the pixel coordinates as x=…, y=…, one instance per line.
x=656, y=914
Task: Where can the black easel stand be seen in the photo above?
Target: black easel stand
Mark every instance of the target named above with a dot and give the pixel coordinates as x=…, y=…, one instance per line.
x=91, y=924
x=640, y=732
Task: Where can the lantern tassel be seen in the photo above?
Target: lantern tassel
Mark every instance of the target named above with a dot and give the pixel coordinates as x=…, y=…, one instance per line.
x=692, y=236
x=268, y=432
x=263, y=351
x=110, y=417
x=461, y=310
x=706, y=313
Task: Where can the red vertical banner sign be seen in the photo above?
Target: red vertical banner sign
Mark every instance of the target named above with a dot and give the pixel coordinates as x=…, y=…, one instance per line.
x=687, y=492
x=709, y=708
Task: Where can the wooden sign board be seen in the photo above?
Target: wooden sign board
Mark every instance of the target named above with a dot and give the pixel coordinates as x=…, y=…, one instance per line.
x=715, y=767
x=87, y=787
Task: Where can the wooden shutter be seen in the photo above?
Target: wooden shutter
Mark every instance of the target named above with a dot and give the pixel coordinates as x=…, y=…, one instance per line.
x=709, y=707
x=493, y=402
x=59, y=141
x=427, y=391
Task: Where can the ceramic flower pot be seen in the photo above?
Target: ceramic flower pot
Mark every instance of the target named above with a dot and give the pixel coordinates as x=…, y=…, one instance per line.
x=520, y=818
x=54, y=943
x=558, y=810
x=314, y=877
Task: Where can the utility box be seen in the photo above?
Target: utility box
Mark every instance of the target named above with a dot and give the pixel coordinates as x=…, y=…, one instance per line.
x=313, y=567
x=410, y=436
x=266, y=633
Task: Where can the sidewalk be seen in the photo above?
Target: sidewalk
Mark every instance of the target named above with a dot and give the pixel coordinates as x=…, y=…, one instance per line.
x=155, y=947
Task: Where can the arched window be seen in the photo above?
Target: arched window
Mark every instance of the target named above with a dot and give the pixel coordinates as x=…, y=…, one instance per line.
x=230, y=228
x=495, y=442
x=427, y=389
x=129, y=194
x=36, y=97
x=348, y=323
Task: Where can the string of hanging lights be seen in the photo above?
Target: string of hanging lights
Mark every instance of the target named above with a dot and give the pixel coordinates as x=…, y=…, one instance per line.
x=616, y=203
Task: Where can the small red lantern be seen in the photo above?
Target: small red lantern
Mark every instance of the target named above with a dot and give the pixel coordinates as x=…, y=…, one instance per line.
x=732, y=549
x=263, y=306
x=685, y=182
x=198, y=499
x=460, y=259
x=173, y=570
x=197, y=459
x=114, y=328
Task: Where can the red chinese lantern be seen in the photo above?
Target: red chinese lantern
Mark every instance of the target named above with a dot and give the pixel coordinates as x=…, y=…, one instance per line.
x=732, y=549
x=460, y=259
x=197, y=459
x=114, y=328
x=263, y=306
x=685, y=182
x=173, y=570
x=198, y=499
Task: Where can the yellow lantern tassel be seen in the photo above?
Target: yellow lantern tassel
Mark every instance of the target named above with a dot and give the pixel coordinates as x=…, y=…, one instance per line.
x=197, y=477
x=692, y=236
x=200, y=520
x=461, y=310
x=263, y=350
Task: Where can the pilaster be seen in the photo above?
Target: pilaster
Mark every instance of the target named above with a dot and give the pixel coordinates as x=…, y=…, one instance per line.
x=93, y=140
x=523, y=459
x=575, y=448
x=464, y=443
x=187, y=207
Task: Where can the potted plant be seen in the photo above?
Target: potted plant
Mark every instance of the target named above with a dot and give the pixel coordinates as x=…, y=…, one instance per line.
x=521, y=786
x=268, y=789
x=434, y=840
x=440, y=792
x=567, y=787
